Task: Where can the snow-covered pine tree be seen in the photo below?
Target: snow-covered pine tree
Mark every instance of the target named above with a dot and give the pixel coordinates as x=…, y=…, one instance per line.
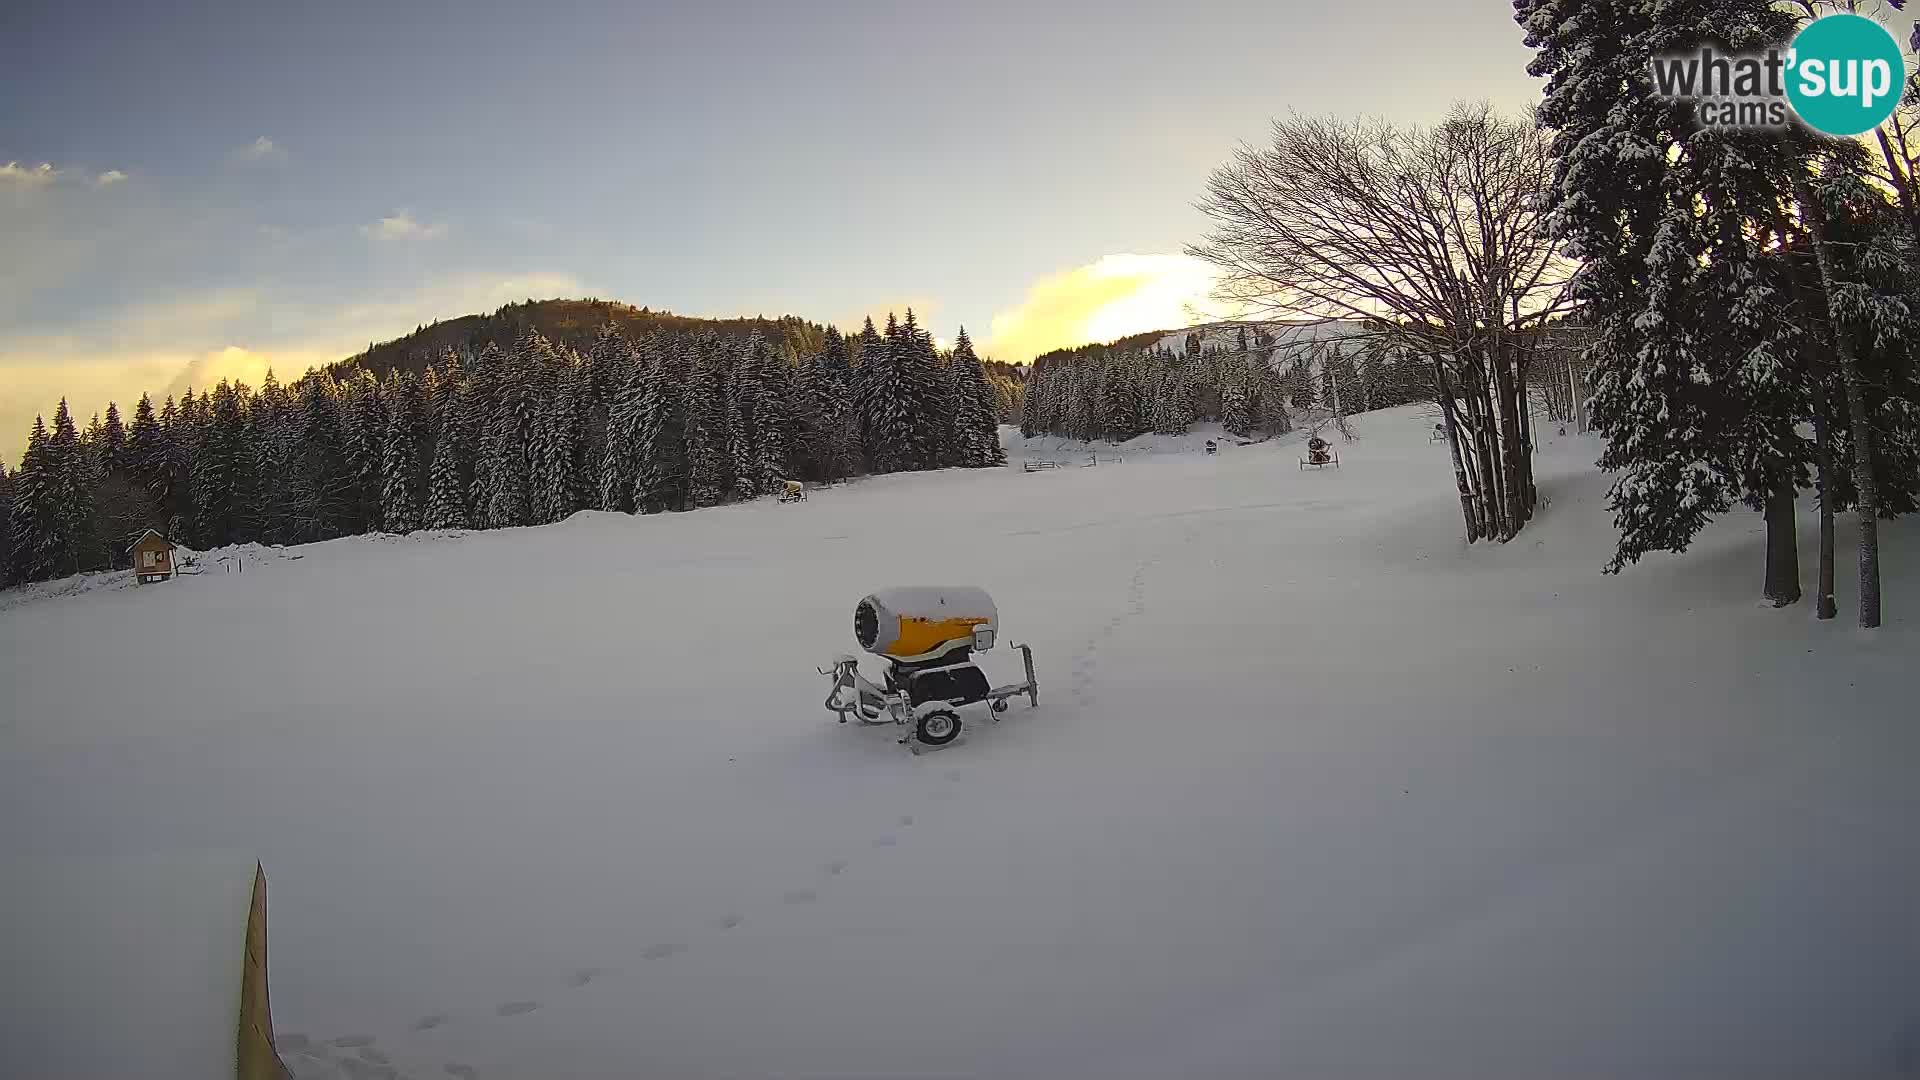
x=321, y=502
x=606, y=371
x=737, y=394
x=9, y=574
x=400, y=459
x=865, y=352
x=271, y=450
x=671, y=397
x=1039, y=414
x=1076, y=409
x=222, y=480
x=832, y=423
x=365, y=416
x=888, y=401
x=181, y=424
x=772, y=420
x=483, y=393
x=1692, y=382
x=1178, y=402
x=707, y=412
x=552, y=464
x=113, y=441
x=33, y=528
x=1235, y=408
x=506, y=497
x=446, y=487
x=146, y=453
x=977, y=423
x=1270, y=414
x=620, y=453
x=922, y=379
x=54, y=510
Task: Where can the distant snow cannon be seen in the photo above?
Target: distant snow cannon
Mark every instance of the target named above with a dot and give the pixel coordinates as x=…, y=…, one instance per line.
x=927, y=635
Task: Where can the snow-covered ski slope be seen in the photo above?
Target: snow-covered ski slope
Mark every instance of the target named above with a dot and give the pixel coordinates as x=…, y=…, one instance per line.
x=1313, y=789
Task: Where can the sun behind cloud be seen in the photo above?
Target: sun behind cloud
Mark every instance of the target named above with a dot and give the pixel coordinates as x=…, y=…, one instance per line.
x=1110, y=298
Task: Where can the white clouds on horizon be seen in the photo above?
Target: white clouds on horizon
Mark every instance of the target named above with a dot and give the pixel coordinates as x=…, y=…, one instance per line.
x=402, y=226
x=28, y=176
x=33, y=177
x=261, y=150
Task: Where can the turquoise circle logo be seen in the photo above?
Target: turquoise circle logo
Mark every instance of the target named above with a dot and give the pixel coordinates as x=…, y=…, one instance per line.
x=1845, y=74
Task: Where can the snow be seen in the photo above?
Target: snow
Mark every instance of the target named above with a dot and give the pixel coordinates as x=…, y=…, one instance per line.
x=1289, y=337
x=934, y=602
x=1313, y=789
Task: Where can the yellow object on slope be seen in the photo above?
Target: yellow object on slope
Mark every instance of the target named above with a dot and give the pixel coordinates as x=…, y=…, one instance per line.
x=918, y=622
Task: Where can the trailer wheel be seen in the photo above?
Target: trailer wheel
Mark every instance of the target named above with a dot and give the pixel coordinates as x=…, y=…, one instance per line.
x=938, y=727
x=999, y=704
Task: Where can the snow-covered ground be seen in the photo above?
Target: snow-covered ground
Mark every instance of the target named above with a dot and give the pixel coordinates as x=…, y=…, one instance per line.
x=1313, y=789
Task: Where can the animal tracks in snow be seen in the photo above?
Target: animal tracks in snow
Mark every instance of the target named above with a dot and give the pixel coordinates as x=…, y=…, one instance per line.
x=1080, y=686
x=370, y=1063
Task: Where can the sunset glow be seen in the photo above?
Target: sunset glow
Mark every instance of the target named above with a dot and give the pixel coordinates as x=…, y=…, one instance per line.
x=1117, y=295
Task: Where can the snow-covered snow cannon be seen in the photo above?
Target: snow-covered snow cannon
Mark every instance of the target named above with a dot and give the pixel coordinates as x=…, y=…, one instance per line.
x=927, y=636
x=1320, y=454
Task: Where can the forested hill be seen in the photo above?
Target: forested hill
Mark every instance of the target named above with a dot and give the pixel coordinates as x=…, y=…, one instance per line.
x=569, y=324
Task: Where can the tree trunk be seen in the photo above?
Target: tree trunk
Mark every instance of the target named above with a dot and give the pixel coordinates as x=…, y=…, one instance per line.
x=1573, y=392
x=1523, y=454
x=1493, y=502
x=1868, y=505
x=1823, y=605
x=1513, y=451
x=1783, y=544
x=1467, y=511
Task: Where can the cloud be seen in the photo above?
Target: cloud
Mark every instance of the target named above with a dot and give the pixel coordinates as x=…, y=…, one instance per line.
x=111, y=176
x=402, y=226
x=1109, y=298
x=17, y=175
x=198, y=339
x=262, y=150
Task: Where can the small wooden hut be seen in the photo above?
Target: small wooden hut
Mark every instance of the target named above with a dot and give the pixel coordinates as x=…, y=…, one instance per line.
x=152, y=557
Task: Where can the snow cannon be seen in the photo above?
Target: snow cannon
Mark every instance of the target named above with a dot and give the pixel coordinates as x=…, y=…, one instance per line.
x=927, y=636
x=925, y=622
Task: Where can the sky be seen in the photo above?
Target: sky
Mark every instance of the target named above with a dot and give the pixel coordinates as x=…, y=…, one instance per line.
x=191, y=191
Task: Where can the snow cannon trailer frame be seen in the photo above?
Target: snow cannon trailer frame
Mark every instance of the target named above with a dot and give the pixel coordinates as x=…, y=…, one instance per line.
x=927, y=638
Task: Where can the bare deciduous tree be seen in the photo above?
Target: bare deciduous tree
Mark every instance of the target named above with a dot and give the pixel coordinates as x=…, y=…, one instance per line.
x=1431, y=238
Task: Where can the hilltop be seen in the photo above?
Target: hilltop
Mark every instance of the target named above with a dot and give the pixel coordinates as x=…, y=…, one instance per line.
x=569, y=323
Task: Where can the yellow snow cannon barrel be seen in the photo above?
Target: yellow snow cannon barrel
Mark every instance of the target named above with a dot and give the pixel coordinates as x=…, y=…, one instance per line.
x=923, y=621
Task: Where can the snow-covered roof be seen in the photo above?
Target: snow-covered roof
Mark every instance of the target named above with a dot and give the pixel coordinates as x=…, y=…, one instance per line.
x=142, y=538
